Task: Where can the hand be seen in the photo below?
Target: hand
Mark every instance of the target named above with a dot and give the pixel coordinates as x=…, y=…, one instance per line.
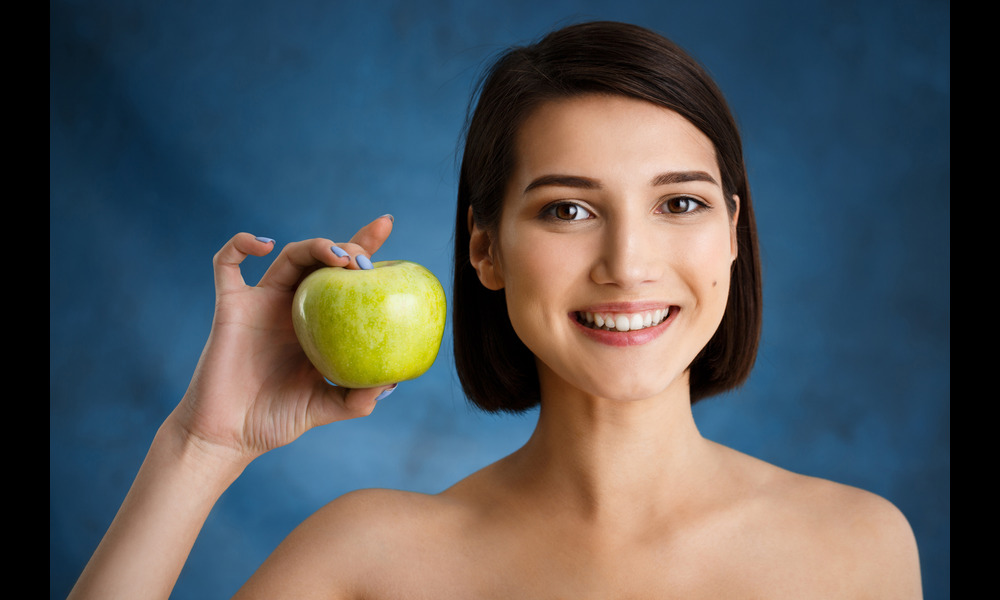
x=254, y=389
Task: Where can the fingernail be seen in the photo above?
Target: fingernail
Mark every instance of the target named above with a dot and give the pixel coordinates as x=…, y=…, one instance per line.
x=266, y=240
x=363, y=262
x=338, y=251
x=388, y=217
x=330, y=382
x=386, y=393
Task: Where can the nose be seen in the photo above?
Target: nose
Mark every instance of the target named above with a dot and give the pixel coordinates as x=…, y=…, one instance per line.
x=630, y=254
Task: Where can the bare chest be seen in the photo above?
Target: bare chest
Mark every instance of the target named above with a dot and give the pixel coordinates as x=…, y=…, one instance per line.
x=517, y=563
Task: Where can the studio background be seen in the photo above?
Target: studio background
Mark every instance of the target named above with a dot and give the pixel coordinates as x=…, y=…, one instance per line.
x=174, y=125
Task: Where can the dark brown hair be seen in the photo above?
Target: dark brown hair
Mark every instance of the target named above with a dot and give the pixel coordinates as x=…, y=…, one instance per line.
x=496, y=369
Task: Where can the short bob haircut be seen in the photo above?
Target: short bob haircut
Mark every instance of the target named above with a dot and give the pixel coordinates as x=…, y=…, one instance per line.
x=497, y=371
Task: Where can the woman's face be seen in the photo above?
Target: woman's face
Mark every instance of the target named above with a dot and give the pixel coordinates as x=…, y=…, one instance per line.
x=614, y=245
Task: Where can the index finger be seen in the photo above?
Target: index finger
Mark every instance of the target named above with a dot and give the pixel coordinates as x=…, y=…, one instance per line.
x=226, y=262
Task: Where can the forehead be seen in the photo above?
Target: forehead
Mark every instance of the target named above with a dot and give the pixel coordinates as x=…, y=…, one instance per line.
x=606, y=136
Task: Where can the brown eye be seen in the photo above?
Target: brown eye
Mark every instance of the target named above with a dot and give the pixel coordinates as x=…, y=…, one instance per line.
x=682, y=204
x=566, y=211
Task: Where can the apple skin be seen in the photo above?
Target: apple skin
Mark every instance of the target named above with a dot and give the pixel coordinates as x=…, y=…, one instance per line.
x=374, y=327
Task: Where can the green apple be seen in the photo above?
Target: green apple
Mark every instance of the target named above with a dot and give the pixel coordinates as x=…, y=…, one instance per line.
x=368, y=328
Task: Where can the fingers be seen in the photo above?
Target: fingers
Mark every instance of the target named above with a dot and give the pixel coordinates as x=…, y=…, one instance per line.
x=226, y=262
x=350, y=403
x=362, y=402
x=298, y=259
x=366, y=242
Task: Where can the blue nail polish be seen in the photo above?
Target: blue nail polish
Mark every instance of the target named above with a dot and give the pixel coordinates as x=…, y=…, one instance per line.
x=363, y=262
x=338, y=251
x=386, y=393
x=330, y=382
x=266, y=240
x=389, y=217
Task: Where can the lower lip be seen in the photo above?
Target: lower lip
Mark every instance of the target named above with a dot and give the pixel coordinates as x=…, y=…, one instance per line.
x=626, y=338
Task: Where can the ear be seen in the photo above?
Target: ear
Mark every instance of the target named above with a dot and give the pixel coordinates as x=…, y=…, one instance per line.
x=733, y=242
x=481, y=255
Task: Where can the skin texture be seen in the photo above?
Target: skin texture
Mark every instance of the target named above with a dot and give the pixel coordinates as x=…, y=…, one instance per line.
x=615, y=495
x=629, y=247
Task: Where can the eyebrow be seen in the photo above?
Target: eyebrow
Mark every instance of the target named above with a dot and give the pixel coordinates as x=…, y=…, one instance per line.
x=681, y=177
x=570, y=181
x=585, y=183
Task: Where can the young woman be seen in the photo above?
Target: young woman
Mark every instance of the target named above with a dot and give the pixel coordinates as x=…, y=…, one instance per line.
x=606, y=270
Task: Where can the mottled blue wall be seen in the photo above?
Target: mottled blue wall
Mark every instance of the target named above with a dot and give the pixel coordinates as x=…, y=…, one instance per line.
x=174, y=125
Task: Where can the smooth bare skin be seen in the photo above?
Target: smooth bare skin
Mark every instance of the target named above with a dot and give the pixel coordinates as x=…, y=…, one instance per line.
x=616, y=494
x=252, y=391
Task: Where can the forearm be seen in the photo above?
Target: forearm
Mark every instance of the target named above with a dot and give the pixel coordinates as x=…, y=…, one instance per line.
x=147, y=544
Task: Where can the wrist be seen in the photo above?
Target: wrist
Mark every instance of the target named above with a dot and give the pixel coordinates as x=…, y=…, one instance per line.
x=210, y=462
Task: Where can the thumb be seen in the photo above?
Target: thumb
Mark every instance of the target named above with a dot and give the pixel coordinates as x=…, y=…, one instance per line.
x=373, y=235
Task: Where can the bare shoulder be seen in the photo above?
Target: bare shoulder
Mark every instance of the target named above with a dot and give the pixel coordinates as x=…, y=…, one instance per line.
x=877, y=537
x=860, y=539
x=354, y=543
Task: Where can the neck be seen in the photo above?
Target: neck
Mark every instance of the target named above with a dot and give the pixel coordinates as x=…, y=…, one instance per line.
x=609, y=460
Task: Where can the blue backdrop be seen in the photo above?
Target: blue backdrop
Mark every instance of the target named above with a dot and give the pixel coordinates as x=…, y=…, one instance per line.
x=174, y=125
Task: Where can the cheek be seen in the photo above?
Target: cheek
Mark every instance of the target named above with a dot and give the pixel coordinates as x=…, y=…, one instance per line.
x=708, y=265
x=541, y=282
x=533, y=266
x=712, y=244
x=521, y=279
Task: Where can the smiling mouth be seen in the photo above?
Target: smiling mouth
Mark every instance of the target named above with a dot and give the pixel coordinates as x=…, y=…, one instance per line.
x=622, y=322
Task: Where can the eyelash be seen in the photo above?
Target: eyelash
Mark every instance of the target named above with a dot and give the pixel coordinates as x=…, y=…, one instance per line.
x=549, y=211
x=698, y=205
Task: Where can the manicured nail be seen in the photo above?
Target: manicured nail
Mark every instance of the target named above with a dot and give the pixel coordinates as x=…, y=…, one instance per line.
x=386, y=393
x=266, y=240
x=338, y=251
x=363, y=262
x=330, y=382
x=388, y=217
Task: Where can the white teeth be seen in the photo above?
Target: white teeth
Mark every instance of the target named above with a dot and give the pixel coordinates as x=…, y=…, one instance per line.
x=623, y=321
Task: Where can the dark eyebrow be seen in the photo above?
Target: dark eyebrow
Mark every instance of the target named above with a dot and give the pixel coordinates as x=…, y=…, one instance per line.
x=575, y=181
x=571, y=181
x=681, y=177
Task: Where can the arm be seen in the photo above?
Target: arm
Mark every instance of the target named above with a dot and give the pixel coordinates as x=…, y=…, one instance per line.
x=144, y=549
x=253, y=390
x=894, y=560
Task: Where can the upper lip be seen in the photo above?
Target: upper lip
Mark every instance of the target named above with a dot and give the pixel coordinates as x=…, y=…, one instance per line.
x=626, y=307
